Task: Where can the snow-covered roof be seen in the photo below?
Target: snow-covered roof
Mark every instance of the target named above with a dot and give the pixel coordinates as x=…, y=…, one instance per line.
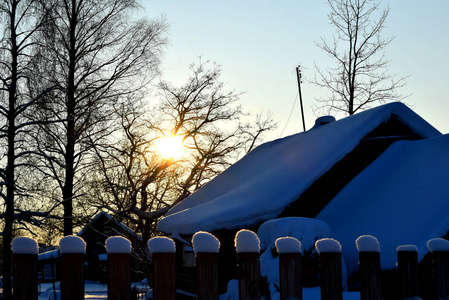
x=264, y=182
x=109, y=217
x=402, y=198
x=49, y=254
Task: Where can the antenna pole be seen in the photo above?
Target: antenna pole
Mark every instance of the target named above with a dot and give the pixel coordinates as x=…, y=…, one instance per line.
x=299, y=76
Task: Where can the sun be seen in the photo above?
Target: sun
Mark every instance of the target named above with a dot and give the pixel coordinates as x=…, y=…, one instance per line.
x=170, y=147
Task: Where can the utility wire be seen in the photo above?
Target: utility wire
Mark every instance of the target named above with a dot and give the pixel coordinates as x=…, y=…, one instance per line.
x=291, y=112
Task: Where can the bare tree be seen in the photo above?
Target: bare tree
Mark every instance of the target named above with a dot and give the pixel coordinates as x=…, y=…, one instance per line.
x=17, y=46
x=359, y=78
x=140, y=184
x=97, y=52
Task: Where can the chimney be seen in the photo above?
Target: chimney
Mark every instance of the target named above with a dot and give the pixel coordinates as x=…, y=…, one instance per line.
x=323, y=121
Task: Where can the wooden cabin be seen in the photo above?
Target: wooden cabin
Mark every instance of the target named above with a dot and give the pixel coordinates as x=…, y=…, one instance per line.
x=298, y=175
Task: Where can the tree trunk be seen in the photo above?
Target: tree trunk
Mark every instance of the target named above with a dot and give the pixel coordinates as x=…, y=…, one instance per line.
x=10, y=176
x=67, y=192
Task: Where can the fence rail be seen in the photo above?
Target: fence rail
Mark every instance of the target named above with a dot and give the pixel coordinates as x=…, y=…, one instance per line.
x=164, y=282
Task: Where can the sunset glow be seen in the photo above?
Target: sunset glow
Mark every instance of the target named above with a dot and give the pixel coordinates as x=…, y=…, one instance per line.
x=170, y=147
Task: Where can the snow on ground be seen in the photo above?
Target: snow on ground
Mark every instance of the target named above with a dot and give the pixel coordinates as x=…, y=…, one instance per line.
x=307, y=293
x=93, y=290
x=99, y=291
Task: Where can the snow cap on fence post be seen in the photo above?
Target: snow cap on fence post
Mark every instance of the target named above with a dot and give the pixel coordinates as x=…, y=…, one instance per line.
x=205, y=242
x=328, y=245
x=118, y=244
x=72, y=244
x=246, y=241
x=287, y=244
x=438, y=244
x=367, y=243
x=161, y=244
x=24, y=245
x=407, y=248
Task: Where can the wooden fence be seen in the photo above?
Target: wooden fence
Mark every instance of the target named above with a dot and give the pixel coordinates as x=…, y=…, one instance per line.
x=164, y=283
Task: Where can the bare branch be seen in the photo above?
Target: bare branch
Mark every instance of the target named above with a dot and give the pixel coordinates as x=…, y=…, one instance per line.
x=358, y=80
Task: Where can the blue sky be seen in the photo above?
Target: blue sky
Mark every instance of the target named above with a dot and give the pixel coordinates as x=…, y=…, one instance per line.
x=259, y=43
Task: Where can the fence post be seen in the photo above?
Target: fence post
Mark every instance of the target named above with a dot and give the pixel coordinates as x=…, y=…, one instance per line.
x=72, y=249
x=369, y=266
x=408, y=271
x=440, y=256
x=164, y=273
x=247, y=245
x=119, y=268
x=331, y=271
x=206, y=247
x=25, y=285
x=289, y=250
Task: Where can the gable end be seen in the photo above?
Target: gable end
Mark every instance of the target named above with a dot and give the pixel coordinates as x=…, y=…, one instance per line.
x=325, y=188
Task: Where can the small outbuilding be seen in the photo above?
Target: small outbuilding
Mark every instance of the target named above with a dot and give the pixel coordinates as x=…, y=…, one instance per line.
x=95, y=233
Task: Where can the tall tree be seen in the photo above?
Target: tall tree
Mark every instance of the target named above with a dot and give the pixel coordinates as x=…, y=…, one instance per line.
x=141, y=179
x=359, y=78
x=19, y=26
x=97, y=52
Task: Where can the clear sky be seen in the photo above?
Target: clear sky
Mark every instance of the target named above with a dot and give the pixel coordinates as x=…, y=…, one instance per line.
x=259, y=43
